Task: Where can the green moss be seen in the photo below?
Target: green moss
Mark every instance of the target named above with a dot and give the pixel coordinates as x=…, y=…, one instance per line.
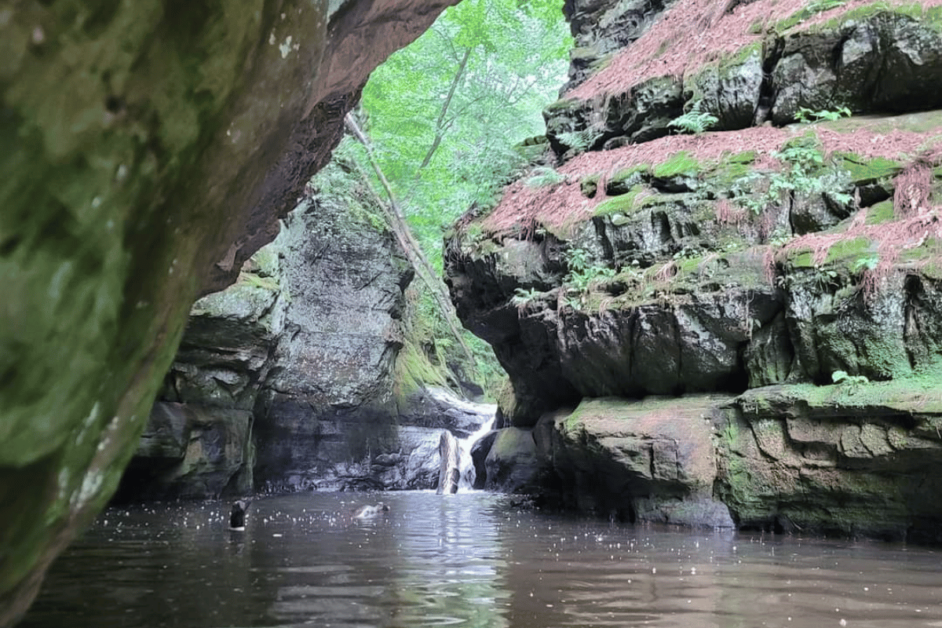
x=414, y=370
x=623, y=204
x=680, y=163
x=589, y=185
x=931, y=16
x=881, y=213
x=563, y=104
x=850, y=251
x=624, y=179
x=731, y=168
x=864, y=171
x=731, y=63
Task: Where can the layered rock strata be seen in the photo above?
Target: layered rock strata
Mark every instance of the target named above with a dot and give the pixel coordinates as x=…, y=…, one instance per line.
x=752, y=260
x=294, y=378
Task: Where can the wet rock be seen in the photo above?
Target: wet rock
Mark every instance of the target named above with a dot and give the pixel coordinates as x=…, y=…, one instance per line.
x=512, y=464
x=176, y=136
x=190, y=452
x=876, y=63
x=479, y=452
x=650, y=460
x=842, y=459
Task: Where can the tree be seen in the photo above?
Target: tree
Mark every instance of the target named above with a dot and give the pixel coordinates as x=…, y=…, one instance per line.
x=438, y=125
x=444, y=114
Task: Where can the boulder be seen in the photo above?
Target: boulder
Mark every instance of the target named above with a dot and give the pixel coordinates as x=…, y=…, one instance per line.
x=650, y=460
x=190, y=452
x=512, y=464
x=479, y=452
x=850, y=459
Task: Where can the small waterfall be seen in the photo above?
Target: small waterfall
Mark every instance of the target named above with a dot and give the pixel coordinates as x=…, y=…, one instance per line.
x=465, y=464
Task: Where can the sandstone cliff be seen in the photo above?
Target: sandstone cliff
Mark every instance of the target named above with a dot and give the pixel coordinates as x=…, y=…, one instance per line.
x=742, y=222
x=148, y=150
x=308, y=373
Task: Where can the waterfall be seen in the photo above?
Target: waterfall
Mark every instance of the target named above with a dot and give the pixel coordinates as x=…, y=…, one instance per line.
x=465, y=464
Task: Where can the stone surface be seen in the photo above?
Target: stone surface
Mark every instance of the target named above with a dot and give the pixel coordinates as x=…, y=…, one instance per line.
x=149, y=149
x=838, y=459
x=512, y=464
x=650, y=460
x=328, y=401
x=190, y=452
x=735, y=274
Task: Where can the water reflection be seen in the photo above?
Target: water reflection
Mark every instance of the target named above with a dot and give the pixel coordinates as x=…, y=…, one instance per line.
x=472, y=560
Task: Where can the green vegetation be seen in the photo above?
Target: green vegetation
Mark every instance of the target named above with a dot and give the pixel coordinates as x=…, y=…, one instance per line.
x=931, y=15
x=809, y=10
x=578, y=141
x=445, y=123
x=524, y=298
x=589, y=185
x=446, y=113
x=863, y=171
x=694, y=121
x=544, y=177
x=841, y=377
x=680, y=163
x=584, y=275
x=805, y=172
x=621, y=204
x=806, y=115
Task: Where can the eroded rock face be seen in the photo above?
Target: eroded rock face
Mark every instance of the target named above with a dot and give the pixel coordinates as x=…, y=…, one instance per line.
x=754, y=263
x=845, y=459
x=302, y=354
x=148, y=150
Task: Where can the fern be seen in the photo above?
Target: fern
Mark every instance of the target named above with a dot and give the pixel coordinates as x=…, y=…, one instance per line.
x=544, y=176
x=694, y=121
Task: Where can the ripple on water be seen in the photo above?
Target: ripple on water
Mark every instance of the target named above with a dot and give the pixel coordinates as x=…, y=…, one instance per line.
x=471, y=560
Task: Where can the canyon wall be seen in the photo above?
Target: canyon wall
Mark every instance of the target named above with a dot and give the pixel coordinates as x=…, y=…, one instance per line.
x=149, y=150
x=719, y=305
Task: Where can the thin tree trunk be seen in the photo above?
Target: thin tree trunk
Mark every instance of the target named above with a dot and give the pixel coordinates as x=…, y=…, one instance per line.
x=440, y=123
x=408, y=243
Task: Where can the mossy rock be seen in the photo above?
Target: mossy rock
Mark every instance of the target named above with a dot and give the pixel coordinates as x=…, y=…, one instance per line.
x=865, y=171
x=589, y=185
x=619, y=205
x=626, y=179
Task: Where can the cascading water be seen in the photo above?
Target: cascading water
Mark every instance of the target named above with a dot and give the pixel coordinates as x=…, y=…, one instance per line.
x=465, y=464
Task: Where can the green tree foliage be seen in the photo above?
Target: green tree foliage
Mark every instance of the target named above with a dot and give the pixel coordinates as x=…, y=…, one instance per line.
x=445, y=113
x=441, y=119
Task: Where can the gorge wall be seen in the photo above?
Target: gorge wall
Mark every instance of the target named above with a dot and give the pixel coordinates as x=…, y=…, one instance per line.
x=718, y=299
x=303, y=375
x=149, y=149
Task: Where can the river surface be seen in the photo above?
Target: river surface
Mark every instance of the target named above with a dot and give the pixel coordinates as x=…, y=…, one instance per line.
x=470, y=559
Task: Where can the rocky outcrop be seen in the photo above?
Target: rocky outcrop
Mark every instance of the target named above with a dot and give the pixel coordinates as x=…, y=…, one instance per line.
x=775, y=63
x=199, y=442
x=149, y=149
x=675, y=268
x=274, y=361
x=849, y=459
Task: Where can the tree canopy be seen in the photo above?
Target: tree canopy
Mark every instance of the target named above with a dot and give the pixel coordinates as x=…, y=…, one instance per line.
x=445, y=113
x=436, y=133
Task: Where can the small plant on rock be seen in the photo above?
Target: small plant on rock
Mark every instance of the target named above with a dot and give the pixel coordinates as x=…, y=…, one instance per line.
x=578, y=141
x=543, y=177
x=694, y=121
x=523, y=299
x=842, y=377
x=582, y=274
x=806, y=115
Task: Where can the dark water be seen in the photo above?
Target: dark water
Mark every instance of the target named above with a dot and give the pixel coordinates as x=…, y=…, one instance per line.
x=468, y=560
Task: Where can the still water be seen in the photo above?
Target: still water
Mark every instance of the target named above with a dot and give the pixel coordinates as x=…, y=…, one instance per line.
x=470, y=559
